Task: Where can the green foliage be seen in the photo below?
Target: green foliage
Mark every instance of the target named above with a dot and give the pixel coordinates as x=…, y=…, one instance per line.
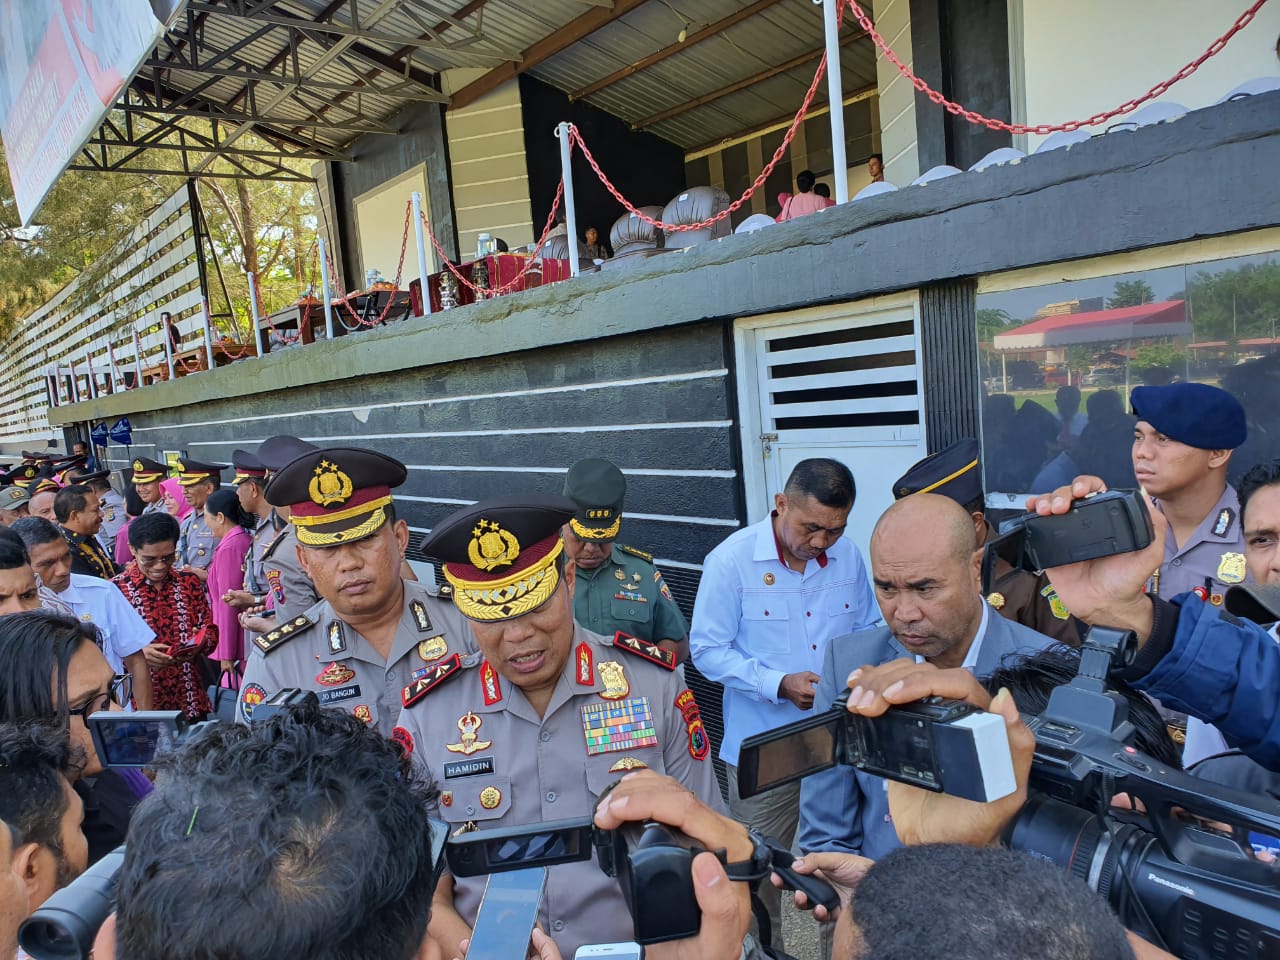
x=1130, y=293
x=1154, y=355
x=1235, y=304
x=992, y=322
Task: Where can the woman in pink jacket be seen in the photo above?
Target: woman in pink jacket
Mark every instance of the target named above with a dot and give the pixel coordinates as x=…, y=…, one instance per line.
x=227, y=520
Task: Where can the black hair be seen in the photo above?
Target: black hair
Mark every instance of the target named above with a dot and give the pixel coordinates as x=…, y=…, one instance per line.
x=1260, y=475
x=225, y=501
x=36, y=531
x=1030, y=678
x=13, y=552
x=805, y=181
x=133, y=505
x=35, y=647
x=315, y=814
x=829, y=482
x=99, y=484
x=876, y=156
x=69, y=500
x=822, y=190
x=35, y=760
x=155, y=527
x=981, y=903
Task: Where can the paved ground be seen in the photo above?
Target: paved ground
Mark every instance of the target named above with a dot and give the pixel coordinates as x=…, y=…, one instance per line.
x=800, y=930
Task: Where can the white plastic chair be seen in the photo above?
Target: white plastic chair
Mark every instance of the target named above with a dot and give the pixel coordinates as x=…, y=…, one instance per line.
x=940, y=172
x=874, y=190
x=999, y=156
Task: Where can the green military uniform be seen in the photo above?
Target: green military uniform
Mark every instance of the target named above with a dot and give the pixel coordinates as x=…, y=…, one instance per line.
x=626, y=592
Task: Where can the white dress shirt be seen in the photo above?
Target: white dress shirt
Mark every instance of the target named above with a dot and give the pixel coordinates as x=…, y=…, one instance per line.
x=100, y=602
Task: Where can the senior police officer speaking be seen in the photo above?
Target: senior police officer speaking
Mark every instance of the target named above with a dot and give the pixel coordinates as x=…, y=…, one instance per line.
x=362, y=643
x=544, y=717
x=616, y=587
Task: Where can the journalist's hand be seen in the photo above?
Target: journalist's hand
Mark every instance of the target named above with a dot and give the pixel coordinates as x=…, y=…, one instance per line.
x=726, y=905
x=799, y=688
x=1108, y=590
x=921, y=816
x=841, y=870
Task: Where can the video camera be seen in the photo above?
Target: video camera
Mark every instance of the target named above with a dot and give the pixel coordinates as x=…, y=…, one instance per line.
x=65, y=926
x=652, y=862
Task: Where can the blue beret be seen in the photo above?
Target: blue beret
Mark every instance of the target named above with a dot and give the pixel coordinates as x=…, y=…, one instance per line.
x=1192, y=413
x=955, y=472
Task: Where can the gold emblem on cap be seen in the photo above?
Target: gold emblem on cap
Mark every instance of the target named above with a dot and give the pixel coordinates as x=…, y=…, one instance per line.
x=330, y=485
x=492, y=547
x=137, y=465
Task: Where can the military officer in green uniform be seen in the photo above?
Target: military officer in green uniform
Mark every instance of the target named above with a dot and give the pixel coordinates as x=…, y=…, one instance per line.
x=372, y=633
x=537, y=723
x=1020, y=596
x=618, y=587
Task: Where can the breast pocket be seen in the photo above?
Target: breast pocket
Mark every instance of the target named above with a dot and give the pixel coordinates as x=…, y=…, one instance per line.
x=767, y=623
x=604, y=771
x=475, y=799
x=841, y=612
x=637, y=611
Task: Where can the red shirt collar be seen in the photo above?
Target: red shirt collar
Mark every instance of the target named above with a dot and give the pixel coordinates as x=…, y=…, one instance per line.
x=773, y=515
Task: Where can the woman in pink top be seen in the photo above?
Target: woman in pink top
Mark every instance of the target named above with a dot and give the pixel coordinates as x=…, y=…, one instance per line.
x=227, y=521
x=174, y=500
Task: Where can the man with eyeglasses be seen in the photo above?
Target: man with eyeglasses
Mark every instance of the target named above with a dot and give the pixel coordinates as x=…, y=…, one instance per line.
x=618, y=587
x=122, y=635
x=174, y=604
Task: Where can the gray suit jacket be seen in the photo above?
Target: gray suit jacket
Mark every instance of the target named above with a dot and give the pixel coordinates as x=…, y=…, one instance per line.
x=844, y=809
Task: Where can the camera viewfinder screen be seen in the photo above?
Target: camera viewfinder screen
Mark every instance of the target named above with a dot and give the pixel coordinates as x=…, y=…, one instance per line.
x=802, y=753
x=124, y=742
x=553, y=846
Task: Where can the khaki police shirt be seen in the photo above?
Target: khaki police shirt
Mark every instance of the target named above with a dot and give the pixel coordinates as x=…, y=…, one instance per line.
x=318, y=651
x=113, y=518
x=197, y=542
x=1212, y=557
x=262, y=535
x=498, y=764
x=290, y=589
x=627, y=593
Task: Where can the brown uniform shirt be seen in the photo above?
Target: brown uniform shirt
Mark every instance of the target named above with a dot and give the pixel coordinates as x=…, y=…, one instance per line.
x=498, y=764
x=1028, y=599
x=318, y=651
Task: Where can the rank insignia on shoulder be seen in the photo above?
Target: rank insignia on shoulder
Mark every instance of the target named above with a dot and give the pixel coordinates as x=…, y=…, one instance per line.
x=438, y=674
x=648, y=651
x=628, y=763
x=420, y=615
x=269, y=641
x=1225, y=519
x=647, y=557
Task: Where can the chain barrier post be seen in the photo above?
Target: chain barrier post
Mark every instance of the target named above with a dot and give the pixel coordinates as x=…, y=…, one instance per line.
x=416, y=197
x=208, y=332
x=324, y=291
x=253, y=311
x=566, y=175
x=835, y=98
x=137, y=358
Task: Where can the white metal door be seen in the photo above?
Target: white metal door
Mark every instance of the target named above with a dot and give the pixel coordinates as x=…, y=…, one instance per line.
x=839, y=381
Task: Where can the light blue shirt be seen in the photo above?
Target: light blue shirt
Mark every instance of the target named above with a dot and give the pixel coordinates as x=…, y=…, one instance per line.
x=100, y=602
x=756, y=620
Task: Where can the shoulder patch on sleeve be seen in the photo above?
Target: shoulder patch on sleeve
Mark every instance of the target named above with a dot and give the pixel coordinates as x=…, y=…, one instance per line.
x=644, y=650
x=647, y=557
x=286, y=631
x=434, y=677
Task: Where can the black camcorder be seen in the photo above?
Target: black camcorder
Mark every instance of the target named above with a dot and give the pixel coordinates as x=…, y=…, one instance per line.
x=1178, y=868
x=1099, y=525
x=652, y=863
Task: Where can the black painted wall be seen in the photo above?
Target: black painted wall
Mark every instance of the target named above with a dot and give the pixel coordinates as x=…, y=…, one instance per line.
x=960, y=47
x=645, y=168
x=377, y=158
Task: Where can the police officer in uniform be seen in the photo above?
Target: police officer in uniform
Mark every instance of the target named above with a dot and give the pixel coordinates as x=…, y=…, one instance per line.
x=617, y=587
x=372, y=632
x=146, y=478
x=544, y=717
x=250, y=481
x=1020, y=596
x=197, y=542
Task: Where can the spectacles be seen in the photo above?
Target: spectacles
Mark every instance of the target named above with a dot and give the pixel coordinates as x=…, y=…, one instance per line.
x=165, y=561
x=119, y=692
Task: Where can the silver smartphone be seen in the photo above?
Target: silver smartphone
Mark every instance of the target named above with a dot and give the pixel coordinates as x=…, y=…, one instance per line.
x=507, y=915
x=612, y=951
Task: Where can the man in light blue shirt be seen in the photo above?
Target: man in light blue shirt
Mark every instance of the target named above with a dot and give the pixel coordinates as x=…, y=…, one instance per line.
x=771, y=598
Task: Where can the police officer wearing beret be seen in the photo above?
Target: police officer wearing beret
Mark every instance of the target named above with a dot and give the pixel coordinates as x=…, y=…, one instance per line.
x=197, y=542
x=372, y=632
x=1020, y=596
x=146, y=477
x=617, y=587
x=544, y=717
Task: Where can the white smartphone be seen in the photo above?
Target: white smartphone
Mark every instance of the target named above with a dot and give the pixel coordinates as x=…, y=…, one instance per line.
x=614, y=951
x=507, y=914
